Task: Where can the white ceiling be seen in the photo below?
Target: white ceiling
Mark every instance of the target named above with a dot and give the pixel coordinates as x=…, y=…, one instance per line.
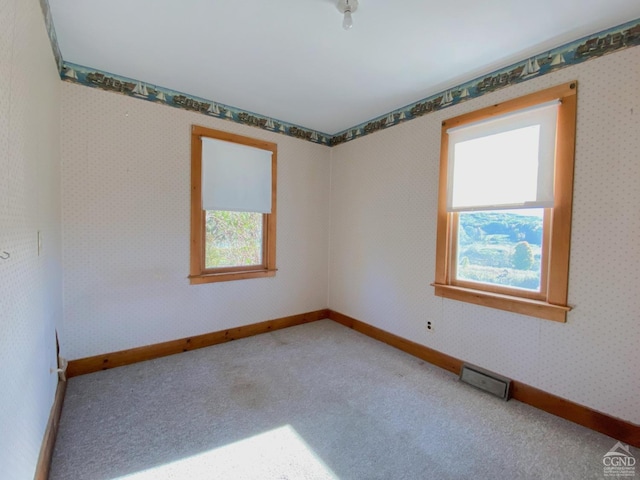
x=291, y=59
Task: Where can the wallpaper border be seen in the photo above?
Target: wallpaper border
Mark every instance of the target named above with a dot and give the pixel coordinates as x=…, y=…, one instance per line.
x=586, y=48
x=95, y=78
x=51, y=31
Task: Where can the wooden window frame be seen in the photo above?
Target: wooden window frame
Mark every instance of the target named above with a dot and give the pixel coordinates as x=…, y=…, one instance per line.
x=551, y=303
x=198, y=273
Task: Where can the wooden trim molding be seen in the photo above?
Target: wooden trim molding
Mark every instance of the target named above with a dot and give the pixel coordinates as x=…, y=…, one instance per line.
x=614, y=427
x=600, y=422
x=50, y=434
x=550, y=303
x=521, y=305
x=425, y=353
x=198, y=272
x=106, y=361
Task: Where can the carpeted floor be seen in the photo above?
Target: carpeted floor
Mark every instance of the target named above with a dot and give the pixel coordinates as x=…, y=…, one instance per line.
x=317, y=401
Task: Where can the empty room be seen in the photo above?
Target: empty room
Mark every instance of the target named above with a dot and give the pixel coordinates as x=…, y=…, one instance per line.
x=319, y=239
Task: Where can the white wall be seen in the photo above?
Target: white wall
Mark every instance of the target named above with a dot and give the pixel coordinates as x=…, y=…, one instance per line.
x=30, y=285
x=126, y=199
x=383, y=235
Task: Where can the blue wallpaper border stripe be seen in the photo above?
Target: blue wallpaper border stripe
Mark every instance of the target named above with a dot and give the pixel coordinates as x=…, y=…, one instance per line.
x=92, y=77
x=586, y=48
x=51, y=31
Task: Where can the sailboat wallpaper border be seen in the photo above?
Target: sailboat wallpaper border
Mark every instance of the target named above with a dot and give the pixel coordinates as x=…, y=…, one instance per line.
x=92, y=77
x=51, y=31
x=586, y=48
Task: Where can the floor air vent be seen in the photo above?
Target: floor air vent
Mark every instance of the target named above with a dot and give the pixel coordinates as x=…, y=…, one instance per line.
x=487, y=381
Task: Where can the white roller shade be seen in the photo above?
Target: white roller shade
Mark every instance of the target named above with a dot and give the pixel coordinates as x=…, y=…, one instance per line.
x=505, y=162
x=235, y=177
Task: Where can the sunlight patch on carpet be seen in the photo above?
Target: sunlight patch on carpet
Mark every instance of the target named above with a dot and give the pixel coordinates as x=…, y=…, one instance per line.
x=277, y=454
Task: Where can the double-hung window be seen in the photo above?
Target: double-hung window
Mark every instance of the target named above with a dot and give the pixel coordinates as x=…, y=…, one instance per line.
x=233, y=207
x=504, y=207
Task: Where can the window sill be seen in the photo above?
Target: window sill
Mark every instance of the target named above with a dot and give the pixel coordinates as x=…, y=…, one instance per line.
x=524, y=306
x=229, y=276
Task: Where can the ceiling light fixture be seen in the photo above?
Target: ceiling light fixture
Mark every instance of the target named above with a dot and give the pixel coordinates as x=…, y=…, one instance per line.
x=347, y=7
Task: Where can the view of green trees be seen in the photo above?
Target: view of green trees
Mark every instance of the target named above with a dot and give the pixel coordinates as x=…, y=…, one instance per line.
x=500, y=248
x=233, y=238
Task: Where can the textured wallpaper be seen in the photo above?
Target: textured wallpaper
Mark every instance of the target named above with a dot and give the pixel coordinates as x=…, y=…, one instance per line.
x=30, y=284
x=126, y=213
x=383, y=236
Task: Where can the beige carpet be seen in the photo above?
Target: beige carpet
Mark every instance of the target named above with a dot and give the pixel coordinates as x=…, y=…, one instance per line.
x=317, y=401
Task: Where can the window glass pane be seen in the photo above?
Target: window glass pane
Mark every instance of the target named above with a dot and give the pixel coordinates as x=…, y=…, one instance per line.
x=501, y=247
x=233, y=239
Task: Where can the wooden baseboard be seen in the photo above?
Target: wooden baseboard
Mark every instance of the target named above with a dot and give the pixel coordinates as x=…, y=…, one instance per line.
x=614, y=427
x=49, y=439
x=600, y=422
x=126, y=357
x=425, y=353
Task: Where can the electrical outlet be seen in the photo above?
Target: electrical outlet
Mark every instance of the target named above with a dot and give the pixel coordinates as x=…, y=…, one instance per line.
x=429, y=326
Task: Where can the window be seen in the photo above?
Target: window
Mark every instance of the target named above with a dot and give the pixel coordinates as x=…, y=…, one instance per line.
x=504, y=204
x=233, y=207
